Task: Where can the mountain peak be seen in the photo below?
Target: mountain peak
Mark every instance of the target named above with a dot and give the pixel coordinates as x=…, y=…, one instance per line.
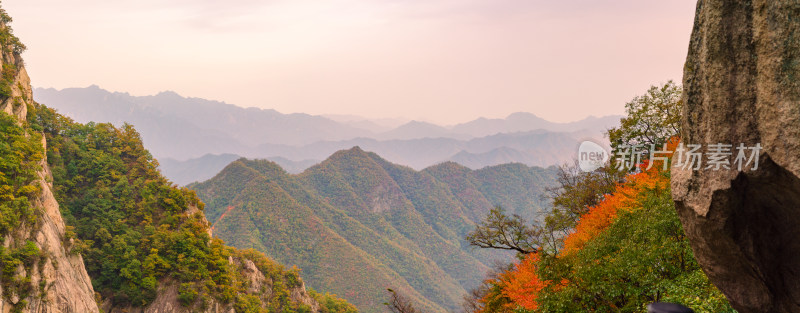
x=168, y=93
x=521, y=114
x=415, y=125
x=415, y=122
x=526, y=117
x=347, y=154
x=353, y=159
x=447, y=166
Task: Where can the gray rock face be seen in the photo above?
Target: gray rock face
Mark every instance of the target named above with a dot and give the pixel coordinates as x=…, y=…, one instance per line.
x=742, y=85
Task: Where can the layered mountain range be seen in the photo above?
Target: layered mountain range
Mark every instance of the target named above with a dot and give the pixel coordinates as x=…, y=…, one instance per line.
x=357, y=224
x=189, y=133
x=354, y=222
x=88, y=224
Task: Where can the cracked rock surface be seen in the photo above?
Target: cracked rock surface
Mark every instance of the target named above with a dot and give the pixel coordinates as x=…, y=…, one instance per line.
x=742, y=85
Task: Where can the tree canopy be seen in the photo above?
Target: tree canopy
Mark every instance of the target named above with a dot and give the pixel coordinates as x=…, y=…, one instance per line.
x=652, y=118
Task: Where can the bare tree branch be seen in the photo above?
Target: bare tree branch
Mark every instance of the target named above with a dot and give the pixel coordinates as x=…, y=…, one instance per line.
x=399, y=303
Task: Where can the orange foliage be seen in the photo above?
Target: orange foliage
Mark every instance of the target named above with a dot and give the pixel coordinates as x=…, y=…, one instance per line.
x=522, y=284
x=603, y=214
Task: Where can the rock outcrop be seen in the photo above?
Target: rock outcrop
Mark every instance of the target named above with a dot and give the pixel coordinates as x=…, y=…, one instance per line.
x=60, y=278
x=742, y=85
x=65, y=285
x=19, y=88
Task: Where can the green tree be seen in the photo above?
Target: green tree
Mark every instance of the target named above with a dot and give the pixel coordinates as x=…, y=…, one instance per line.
x=330, y=303
x=651, y=118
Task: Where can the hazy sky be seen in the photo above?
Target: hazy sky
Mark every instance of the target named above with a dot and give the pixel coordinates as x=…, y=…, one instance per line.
x=446, y=61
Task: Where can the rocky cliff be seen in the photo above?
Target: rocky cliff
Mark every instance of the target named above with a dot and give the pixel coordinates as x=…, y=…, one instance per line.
x=64, y=284
x=16, y=84
x=59, y=276
x=742, y=86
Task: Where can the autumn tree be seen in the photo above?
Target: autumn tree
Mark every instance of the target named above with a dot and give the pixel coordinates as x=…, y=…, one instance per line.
x=627, y=251
x=489, y=296
x=574, y=194
x=612, y=241
x=522, y=283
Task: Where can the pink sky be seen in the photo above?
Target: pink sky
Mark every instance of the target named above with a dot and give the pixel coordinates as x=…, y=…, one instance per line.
x=445, y=61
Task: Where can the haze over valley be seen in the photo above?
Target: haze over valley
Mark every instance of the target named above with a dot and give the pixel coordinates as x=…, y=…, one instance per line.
x=194, y=138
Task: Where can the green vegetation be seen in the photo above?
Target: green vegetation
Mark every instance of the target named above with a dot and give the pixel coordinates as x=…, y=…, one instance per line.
x=653, y=118
x=576, y=192
x=9, y=42
x=7, y=79
x=626, y=250
x=13, y=284
x=20, y=154
x=330, y=303
x=136, y=230
x=357, y=224
x=133, y=223
x=273, y=213
x=642, y=257
x=11, y=46
x=612, y=241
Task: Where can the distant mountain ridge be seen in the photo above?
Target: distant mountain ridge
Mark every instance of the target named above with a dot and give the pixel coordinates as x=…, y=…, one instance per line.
x=522, y=122
x=205, y=167
x=181, y=129
x=537, y=148
x=420, y=130
x=193, y=121
x=357, y=224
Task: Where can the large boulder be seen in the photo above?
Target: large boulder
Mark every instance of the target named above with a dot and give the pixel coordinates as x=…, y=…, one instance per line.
x=742, y=85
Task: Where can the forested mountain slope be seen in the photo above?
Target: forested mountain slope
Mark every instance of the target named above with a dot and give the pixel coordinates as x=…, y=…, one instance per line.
x=147, y=243
x=357, y=224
